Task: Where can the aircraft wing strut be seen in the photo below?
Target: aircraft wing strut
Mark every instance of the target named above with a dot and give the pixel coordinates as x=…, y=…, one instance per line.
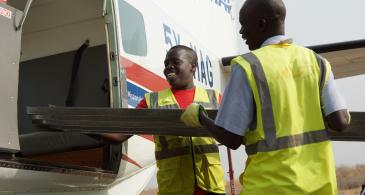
x=347, y=58
x=146, y=121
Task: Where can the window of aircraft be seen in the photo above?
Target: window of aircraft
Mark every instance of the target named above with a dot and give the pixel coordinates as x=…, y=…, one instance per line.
x=133, y=31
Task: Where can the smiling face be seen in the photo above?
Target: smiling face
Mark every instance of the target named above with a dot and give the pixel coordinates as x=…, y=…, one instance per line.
x=180, y=66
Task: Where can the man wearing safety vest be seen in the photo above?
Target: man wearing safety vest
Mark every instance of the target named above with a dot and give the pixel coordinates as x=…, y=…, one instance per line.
x=278, y=101
x=186, y=165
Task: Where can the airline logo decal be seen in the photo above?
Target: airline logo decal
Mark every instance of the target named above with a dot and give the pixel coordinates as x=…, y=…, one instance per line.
x=225, y=4
x=135, y=93
x=141, y=81
x=5, y=12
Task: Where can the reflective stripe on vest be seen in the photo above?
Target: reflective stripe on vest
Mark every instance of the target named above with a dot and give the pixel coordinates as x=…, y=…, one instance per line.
x=271, y=143
x=289, y=142
x=165, y=152
x=168, y=153
x=198, y=149
x=323, y=71
x=154, y=100
x=268, y=122
x=212, y=104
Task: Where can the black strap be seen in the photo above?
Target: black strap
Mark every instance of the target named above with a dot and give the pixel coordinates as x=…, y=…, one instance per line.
x=75, y=68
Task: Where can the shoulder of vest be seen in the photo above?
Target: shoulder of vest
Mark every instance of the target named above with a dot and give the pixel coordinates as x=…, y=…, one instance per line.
x=239, y=60
x=213, y=91
x=319, y=56
x=202, y=88
x=306, y=49
x=161, y=91
x=146, y=95
x=155, y=93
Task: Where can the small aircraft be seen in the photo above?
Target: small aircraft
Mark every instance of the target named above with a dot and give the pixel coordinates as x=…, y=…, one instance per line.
x=93, y=54
x=80, y=64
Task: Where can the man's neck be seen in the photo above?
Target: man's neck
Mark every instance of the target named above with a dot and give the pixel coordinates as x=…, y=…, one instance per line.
x=187, y=87
x=183, y=89
x=276, y=40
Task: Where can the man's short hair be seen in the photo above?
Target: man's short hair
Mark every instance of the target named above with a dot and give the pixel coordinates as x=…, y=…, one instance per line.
x=192, y=56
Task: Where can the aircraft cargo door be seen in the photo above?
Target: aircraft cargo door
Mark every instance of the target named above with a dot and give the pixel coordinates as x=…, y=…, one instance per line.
x=117, y=82
x=9, y=65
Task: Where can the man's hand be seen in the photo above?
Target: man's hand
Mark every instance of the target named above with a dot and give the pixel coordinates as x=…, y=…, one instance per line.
x=195, y=116
x=190, y=117
x=339, y=120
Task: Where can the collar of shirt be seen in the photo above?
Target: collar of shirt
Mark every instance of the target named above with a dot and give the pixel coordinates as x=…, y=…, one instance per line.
x=277, y=40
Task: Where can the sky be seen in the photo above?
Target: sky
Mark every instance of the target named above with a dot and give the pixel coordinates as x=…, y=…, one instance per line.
x=314, y=22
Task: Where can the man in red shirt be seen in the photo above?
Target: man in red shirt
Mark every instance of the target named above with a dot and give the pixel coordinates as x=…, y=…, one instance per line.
x=186, y=165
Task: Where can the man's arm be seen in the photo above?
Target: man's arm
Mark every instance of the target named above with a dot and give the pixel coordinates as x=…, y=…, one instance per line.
x=223, y=136
x=116, y=138
x=334, y=106
x=229, y=127
x=338, y=120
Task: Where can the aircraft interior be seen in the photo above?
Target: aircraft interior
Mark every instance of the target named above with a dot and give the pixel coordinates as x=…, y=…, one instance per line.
x=64, y=63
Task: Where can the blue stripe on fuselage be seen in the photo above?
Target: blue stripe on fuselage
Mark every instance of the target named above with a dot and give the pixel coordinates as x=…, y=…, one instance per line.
x=135, y=94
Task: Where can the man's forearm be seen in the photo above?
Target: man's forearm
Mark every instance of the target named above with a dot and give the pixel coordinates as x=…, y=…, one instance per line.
x=339, y=120
x=223, y=136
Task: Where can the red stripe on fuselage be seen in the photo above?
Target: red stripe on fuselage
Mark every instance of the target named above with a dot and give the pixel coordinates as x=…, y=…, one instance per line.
x=148, y=137
x=143, y=77
x=126, y=158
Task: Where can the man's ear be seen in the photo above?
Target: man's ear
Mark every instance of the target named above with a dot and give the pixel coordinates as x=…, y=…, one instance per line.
x=193, y=68
x=262, y=24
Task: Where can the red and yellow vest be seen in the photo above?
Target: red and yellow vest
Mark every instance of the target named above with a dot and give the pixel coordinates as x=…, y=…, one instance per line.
x=289, y=152
x=184, y=162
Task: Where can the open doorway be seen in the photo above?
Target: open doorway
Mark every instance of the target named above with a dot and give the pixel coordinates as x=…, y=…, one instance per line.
x=63, y=63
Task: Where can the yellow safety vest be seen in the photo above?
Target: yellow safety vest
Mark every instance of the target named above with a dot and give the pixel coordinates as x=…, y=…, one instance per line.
x=289, y=152
x=184, y=162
